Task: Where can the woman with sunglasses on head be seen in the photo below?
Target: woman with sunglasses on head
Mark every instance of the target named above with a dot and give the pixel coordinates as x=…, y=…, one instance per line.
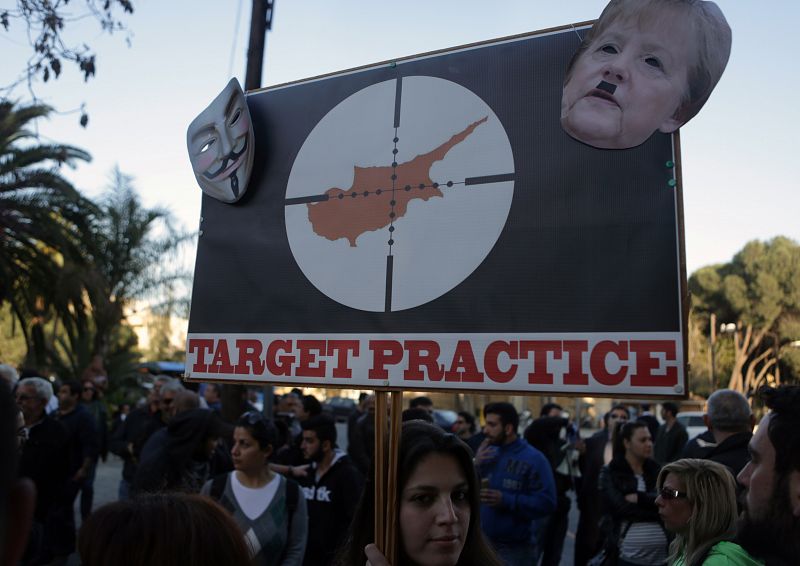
x=697, y=502
x=628, y=493
x=437, y=506
x=269, y=508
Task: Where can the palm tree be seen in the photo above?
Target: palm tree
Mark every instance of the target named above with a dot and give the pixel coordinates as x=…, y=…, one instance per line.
x=42, y=218
x=132, y=251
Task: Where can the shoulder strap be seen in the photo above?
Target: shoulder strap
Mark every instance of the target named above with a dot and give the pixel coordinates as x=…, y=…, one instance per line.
x=218, y=486
x=292, y=493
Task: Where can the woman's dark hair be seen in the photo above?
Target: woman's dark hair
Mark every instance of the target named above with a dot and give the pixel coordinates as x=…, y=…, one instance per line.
x=260, y=428
x=469, y=418
x=625, y=432
x=93, y=388
x=784, y=426
x=163, y=528
x=418, y=440
x=311, y=405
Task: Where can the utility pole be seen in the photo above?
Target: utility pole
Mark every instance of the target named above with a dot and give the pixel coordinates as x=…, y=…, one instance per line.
x=233, y=396
x=712, y=339
x=260, y=24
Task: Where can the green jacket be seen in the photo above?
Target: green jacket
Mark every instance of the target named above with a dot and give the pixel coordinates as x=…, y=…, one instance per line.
x=725, y=554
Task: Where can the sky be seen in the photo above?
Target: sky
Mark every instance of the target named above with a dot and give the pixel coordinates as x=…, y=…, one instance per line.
x=738, y=154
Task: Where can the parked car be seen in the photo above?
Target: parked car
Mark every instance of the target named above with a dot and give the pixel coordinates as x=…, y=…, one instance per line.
x=340, y=408
x=693, y=421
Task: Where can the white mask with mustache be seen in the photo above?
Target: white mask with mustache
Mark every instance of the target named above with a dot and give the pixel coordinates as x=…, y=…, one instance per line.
x=221, y=145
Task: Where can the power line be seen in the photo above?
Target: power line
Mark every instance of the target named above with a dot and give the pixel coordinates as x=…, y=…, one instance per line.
x=235, y=37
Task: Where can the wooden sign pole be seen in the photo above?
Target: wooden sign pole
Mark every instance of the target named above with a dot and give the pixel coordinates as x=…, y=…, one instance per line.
x=387, y=443
x=392, y=502
x=380, y=470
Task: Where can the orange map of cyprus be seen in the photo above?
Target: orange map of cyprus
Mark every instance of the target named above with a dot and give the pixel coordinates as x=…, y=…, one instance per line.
x=370, y=203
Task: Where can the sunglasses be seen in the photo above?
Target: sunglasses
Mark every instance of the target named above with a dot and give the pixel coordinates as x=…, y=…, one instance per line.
x=669, y=494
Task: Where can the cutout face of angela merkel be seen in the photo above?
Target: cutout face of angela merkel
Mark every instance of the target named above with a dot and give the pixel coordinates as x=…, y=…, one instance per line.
x=628, y=83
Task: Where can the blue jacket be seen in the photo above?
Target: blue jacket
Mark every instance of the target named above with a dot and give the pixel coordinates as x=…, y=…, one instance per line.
x=525, y=478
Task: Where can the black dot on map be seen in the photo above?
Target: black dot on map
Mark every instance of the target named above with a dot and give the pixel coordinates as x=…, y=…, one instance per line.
x=353, y=195
x=391, y=215
x=366, y=193
x=395, y=140
x=436, y=185
x=449, y=183
x=391, y=242
x=421, y=186
x=394, y=151
x=391, y=228
x=379, y=191
x=392, y=202
x=408, y=188
x=394, y=163
x=394, y=177
x=341, y=196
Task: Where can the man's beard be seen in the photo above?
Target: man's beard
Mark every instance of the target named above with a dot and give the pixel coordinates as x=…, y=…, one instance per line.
x=777, y=533
x=316, y=455
x=500, y=439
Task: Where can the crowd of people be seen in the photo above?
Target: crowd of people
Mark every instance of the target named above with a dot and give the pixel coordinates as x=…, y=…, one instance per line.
x=195, y=489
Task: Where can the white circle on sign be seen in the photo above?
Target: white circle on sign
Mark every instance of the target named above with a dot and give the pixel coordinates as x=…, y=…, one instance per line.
x=399, y=193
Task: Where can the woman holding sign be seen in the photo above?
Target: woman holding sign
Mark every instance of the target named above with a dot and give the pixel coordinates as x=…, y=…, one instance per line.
x=438, y=506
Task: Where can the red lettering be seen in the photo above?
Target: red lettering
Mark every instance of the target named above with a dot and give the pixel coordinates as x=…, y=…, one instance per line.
x=384, y=352
x=463, y=367
x=202, y=346
x=575, y=374
x=597, y=361
x=307, y=357
x=490, y=359
x=249, y=351
x=645, y=363
x=222, y=359
x=280, y=365
x=342, y=348
x=540, y=348
x=417, y=360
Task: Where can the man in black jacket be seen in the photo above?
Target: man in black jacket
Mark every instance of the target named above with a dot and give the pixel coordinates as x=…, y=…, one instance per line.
x=671, y=436
x=129, y=439
x=598, y=453
x=45, y=460
x=84, y=448
x=17, y=496
x=730, y=425
x=332, y=488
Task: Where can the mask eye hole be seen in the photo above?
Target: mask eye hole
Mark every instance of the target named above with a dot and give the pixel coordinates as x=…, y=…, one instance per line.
x=235, y=117
x=206, y=146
